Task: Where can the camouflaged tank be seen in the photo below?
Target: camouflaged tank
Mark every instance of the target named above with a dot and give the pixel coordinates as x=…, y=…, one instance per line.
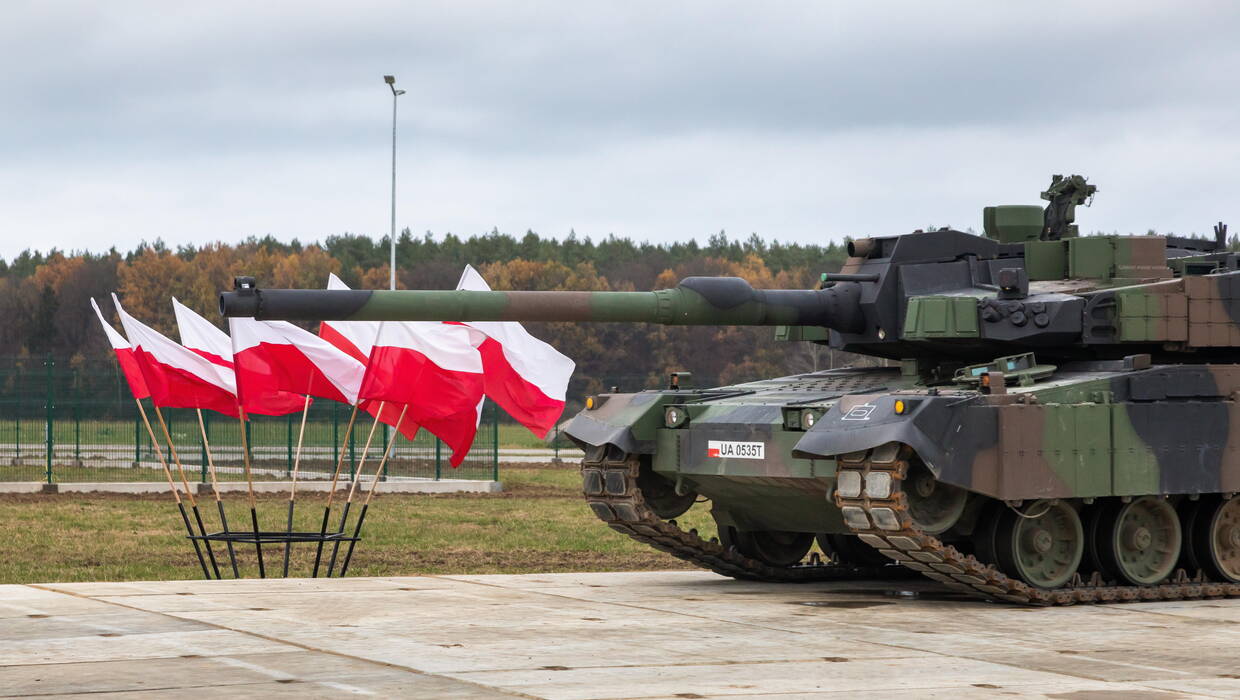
x=1057, y=421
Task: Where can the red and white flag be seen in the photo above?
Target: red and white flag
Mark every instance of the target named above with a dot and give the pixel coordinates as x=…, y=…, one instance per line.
x=354, y=337
x=204, y=338
x=435, y=369
x=177, y=377
x=357, y=339
x=276, y=356
x=124, y=357
x=523, y=374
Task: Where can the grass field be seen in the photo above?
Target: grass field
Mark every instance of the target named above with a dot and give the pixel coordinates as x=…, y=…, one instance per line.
x=538, y=524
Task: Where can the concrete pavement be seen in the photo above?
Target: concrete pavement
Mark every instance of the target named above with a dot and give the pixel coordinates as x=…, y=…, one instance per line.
x=602, y=635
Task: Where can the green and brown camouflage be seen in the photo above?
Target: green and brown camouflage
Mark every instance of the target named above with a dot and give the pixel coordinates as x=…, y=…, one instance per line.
x=1058, y=419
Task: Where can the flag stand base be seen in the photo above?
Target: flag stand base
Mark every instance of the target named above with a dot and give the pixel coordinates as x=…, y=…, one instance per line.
x=274, y=537
x=321, y=542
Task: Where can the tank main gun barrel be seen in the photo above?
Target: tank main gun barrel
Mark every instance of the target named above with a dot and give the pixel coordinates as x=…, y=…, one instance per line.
x=695, y=301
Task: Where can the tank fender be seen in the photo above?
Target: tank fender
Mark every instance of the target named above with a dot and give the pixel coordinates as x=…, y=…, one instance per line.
x=627, y=421
x=953, y=434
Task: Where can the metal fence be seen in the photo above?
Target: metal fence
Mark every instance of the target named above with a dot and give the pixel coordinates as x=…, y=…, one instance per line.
x=71, y=421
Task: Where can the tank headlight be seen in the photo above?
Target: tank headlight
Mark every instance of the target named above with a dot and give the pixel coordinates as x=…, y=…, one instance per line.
x=808, y=418
x=900, y=407
x=675, y=416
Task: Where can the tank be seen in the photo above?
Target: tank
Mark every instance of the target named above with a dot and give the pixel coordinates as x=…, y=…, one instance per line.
x=1055, y=420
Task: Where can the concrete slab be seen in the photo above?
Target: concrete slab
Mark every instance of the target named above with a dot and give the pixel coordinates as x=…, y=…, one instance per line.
x=578, y=636
x=21, y=486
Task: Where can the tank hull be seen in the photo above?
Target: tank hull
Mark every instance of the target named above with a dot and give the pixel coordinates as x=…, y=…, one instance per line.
x=1085, y=441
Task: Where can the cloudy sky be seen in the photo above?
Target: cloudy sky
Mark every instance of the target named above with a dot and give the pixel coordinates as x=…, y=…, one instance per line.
x=125, y=121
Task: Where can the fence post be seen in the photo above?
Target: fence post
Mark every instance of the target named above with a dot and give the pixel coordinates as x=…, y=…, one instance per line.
x=137, y=441
x=352, y=455
x=202, y=450
x=438, y=451
x=288, y=439
x=17, y=419
x=335, y=431
x=49, y=401
x=77, y=419
x=494, y=443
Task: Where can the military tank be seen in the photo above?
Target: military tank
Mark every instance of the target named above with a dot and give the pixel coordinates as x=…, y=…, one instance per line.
x=1056, y=420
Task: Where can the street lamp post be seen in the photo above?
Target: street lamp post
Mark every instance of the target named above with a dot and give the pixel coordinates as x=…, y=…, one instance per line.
x=391, y=82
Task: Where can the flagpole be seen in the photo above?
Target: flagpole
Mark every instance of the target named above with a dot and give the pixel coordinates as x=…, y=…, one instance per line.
x=292, y=489
x=357, y=475
x=331, y=493
x=361, y=517
x=249, y=479
x=193, y=502
x=176, y=493
x=219, y=503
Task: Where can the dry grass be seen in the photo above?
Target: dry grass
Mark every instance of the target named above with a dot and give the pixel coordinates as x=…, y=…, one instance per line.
x=538, y=524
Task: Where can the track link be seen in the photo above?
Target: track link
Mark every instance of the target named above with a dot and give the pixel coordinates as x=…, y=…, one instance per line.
x=879, y=516
x=610, y=485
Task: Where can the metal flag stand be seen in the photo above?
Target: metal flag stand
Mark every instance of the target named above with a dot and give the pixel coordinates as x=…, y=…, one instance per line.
x=258, y=537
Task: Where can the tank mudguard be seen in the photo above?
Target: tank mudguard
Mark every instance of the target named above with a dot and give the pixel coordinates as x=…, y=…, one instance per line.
x=627, y=421
x=953, y=434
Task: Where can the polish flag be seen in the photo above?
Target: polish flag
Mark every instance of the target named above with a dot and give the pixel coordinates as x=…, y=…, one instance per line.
x=202, y=337
x=357, y=339
x=437, y=371
x=278, y=356
x=524, y=375
x=354, y=337
x=124, y=357
x=177, y=377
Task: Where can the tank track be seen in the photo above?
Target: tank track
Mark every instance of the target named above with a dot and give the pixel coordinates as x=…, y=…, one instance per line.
x=880, y=517
x=609, y=482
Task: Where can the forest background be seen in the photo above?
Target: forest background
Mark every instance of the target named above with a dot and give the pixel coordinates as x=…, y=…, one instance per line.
x=45, y=309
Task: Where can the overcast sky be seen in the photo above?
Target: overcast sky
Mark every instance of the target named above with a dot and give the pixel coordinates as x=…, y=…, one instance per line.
x=125, y=121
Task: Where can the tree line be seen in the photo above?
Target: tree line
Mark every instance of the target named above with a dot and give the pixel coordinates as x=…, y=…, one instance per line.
x=44, y=297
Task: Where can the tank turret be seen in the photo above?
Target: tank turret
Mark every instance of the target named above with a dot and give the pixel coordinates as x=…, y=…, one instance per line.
x=1030, y=283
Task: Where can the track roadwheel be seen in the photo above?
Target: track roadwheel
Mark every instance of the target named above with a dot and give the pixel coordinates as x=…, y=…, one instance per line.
x=660, y=494
x=848, y=549
x=773, y=547
x=1041, y=544
x=985, y=532
x=1212, y=537
x=1138, y=542
x=935, y=506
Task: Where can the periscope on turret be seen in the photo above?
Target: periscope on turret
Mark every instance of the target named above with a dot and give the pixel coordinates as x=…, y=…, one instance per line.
x=1057, y=421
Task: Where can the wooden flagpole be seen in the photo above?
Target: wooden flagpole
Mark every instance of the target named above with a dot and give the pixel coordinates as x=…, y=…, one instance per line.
x=331, y=493
x=176, y=493
x=219, y=503
x=292, y=489
x=361, y=516
x=357, y=476
x=249, y=479
x=193, y=502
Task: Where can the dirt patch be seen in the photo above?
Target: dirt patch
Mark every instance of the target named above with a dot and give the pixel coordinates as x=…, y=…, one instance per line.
x=482, y=561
